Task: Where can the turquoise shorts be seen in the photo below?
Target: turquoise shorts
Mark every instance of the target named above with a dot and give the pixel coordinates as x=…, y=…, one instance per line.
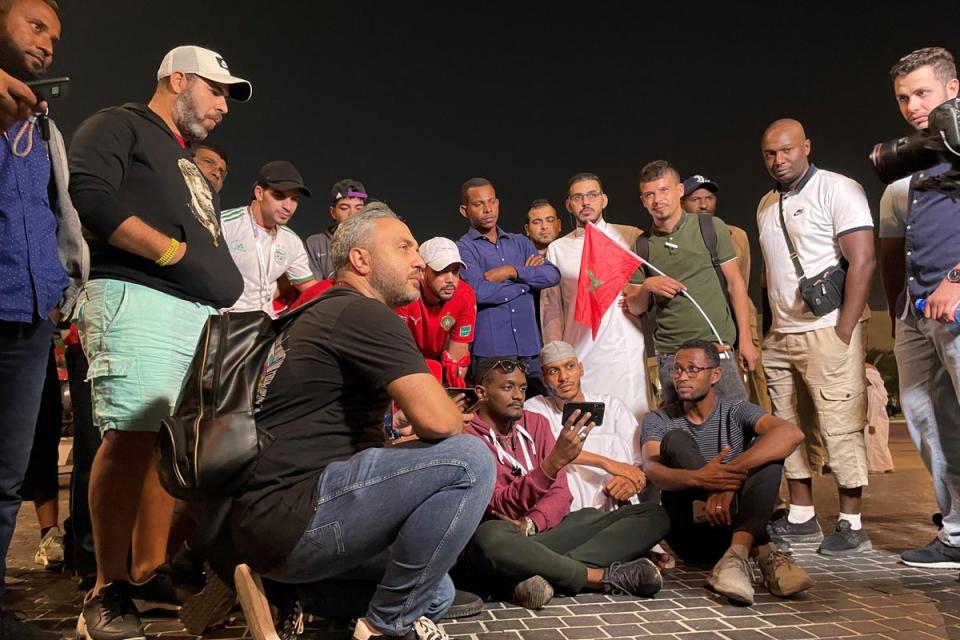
x=139, y=343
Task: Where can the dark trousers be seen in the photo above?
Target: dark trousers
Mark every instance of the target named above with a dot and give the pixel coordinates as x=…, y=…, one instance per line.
x=700, y=543
x=23, y=359
x=501, y=556
x=86, y=441
x=41, y=481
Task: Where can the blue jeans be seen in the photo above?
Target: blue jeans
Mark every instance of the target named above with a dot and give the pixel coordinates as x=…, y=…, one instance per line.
x=24, y=349
x=400, y=515
x=928, y=364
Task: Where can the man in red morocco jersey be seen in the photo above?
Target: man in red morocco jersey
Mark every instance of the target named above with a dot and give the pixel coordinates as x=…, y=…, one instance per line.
x=442, y=320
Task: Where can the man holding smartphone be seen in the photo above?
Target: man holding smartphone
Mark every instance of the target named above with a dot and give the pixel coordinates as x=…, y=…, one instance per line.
x=44, y=257
x=533, y=545
x=606, y=473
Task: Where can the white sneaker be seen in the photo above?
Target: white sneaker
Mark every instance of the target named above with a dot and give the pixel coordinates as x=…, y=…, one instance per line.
x=423, y=629
x=50, y=551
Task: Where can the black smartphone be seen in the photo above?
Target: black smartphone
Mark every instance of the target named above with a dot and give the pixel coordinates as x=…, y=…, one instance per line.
x=50, y=88
x=595, y=409
x=469, y=392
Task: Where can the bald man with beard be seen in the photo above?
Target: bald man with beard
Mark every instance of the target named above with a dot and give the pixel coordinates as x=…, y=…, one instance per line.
x=816, y=360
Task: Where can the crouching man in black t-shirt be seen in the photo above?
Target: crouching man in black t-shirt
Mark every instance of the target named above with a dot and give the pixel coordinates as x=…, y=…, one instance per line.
x=325, y=499
x=718, y=464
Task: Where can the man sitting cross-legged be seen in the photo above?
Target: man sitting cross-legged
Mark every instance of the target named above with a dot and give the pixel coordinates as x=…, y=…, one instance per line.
x=718, y=464
x=533, y=544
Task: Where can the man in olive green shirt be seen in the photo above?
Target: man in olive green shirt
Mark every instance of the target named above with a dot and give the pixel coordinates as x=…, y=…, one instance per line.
x=677, y=248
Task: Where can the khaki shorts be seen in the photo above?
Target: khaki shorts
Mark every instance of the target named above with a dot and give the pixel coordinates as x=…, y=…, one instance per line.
x=818, y=382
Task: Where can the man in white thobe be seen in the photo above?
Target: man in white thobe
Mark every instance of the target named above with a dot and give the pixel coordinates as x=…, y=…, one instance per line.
x=615, y=362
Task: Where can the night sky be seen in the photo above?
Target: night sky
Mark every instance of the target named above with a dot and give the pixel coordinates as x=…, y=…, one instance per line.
x=414, y=98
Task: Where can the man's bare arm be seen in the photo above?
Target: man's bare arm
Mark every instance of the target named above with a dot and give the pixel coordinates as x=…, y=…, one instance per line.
x=426, y=405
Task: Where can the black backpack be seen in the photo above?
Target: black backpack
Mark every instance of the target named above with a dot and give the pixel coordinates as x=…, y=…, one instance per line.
x=206, y=450
x=709, y=233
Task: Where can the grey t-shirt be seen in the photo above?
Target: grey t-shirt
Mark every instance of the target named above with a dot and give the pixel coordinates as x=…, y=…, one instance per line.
x=730, y=423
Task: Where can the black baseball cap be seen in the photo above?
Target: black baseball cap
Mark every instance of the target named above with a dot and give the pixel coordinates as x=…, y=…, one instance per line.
x=348, y=188
x=282, y=176
x=695, y=182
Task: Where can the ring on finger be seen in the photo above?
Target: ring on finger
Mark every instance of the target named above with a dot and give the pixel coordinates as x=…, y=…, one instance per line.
x=583, y=436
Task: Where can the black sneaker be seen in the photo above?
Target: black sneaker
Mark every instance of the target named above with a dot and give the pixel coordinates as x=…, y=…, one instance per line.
x=935, y=555
x=533, y=593
x=636, y=578
x=465, y=604
x=110, y=615
x=210, y=607
x=845, y=541
x=162, y=590
x=13, y=629
x=783, y=529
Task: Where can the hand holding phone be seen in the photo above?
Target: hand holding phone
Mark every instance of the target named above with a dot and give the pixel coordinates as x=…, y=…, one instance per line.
x=595, y=409
x=50, y=88
x=470, y=397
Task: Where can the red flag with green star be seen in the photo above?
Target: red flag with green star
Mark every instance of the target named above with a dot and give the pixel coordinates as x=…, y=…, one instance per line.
x=605, y=267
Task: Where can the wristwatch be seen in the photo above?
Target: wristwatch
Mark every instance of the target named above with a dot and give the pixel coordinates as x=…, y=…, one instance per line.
x=530, y=527
x=953, y=276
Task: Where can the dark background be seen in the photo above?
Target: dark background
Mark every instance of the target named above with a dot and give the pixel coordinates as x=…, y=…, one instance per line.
x=414, y=98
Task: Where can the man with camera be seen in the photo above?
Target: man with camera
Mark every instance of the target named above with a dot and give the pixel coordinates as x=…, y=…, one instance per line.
x=812, y=224
x=44, y=256
x=920, y=247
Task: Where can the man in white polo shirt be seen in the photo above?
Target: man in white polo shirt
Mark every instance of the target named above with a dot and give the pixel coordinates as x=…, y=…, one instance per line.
x=606, y=473
x=810, y=359
x=261, y=244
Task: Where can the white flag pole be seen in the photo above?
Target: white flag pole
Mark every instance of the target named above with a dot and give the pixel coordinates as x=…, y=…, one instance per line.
x=684, y=292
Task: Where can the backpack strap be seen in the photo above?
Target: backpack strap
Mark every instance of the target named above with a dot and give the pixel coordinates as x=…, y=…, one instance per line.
x=708, y=230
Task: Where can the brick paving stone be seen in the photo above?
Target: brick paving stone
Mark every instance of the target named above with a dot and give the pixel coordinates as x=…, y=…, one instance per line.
x=706, y=624
x=788, y=633
x=465, y=628
x=908, y=624
x=748, y=622
x=620, y=618
x=702, y=635
x=499, y=635
x=745, y=634
x=659, y=616
x=543, y=623
x=827, y=630
x=541, y=634
x=663, y=627
x=584, y=633
x=581, y=621
x=624, y=630
x=501, y=625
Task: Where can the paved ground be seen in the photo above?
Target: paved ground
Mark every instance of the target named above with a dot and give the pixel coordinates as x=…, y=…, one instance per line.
x=869, y=596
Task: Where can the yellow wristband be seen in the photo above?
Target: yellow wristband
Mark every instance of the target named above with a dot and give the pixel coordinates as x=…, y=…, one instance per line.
x=171, y=251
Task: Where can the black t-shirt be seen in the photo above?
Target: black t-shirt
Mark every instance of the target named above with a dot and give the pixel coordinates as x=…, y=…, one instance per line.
x=321, y=398
x=125, y=161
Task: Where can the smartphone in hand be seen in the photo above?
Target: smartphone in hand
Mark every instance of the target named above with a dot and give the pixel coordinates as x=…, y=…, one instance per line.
x=470, y=396
x=595, y=409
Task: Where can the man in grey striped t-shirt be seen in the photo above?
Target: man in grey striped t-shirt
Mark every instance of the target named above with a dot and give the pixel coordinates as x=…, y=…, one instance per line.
x=718, y=464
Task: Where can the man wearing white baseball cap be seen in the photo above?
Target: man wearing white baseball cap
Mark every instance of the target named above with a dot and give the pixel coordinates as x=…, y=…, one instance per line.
x=159, y=268
x=442, y=320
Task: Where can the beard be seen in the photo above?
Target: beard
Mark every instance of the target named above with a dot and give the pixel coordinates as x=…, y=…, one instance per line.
x=14, y=61
x=392, y=286
x=188, y=121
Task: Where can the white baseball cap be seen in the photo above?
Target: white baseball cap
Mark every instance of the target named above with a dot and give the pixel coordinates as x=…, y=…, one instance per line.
x=440, y=253
x=206, y=64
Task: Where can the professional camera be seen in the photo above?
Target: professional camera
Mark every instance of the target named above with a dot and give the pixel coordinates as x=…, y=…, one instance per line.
x=939, y=142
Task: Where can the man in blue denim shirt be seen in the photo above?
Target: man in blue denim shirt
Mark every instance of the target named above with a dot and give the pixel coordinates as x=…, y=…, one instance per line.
x=920, y=245
x=42, y=251
x=503, y=269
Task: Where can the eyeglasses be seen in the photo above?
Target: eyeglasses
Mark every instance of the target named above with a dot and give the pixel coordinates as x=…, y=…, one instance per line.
x=508, y=367
x=589, y=196
x=691, y=371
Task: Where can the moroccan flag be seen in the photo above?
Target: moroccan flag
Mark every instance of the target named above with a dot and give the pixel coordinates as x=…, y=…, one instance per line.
x=605, y=267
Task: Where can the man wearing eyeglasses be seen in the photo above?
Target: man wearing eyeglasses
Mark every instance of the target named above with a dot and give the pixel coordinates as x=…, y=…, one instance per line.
x=678, y=246
x=615, y=362
x=533, y=545
x=503, y=269
x=159, y=268
x=718, y=464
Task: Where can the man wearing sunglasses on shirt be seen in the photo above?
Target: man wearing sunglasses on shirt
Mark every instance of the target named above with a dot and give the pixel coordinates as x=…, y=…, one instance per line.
x=718, y=464
x=531, y=544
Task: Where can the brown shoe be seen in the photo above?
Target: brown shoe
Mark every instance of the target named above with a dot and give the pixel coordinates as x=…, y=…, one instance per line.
x=783, y=576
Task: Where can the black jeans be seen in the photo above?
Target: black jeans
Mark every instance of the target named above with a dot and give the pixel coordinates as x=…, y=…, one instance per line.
x=700, y=543
x=501, y=556
x=23, y=361
x=86, y=441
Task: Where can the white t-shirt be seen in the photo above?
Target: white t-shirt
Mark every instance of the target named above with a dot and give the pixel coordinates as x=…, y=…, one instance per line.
x=262, y=256
x=826, y=206
x=893, y=209
x=618, y=438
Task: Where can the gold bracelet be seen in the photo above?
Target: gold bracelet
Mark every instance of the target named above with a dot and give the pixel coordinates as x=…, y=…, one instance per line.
x=171, y=251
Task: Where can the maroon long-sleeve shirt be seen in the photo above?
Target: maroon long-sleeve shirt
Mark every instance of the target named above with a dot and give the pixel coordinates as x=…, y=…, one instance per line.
x=536, y=495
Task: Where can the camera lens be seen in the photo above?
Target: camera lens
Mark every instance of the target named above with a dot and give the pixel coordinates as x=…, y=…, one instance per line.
x=898, y=158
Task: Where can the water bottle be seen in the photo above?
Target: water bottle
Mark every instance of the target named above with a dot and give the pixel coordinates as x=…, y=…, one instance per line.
x=921, y=304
